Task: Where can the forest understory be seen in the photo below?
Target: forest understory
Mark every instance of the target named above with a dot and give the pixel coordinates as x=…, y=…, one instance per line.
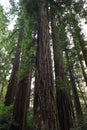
x=43, y=65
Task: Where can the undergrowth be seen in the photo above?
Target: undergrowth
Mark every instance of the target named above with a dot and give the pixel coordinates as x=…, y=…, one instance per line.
x=5, y=116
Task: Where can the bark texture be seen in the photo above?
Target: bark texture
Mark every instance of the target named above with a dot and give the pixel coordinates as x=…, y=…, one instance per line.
x=78, y=108
x=45, y=109
x=12, y=86
x=20, y=105
x=78, y=49
x=63, y=101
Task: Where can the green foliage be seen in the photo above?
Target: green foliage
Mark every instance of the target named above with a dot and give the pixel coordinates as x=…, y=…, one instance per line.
x=28, y=47
x=5, y=116
x=3, y=20
x=7, y=46
x=31, y=6
x=80, y=126
x=30, y=119
x=14, y=7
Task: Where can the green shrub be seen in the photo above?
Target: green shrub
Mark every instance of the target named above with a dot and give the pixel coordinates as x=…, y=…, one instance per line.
x=5, y=116
x=81, y=125
x=30, y=119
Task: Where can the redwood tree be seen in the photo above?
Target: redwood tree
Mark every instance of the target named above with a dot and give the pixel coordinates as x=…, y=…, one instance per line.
x=45, y=108
x=12, y=86
x=78, y=50
x=20, y=105
x=63, y=99
x=77, y=104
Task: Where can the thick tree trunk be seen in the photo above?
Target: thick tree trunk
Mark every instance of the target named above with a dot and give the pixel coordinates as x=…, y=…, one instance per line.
x=20, y=105
x=45, y=108
x=12, y=86
x=63, y=101
x=74, y=88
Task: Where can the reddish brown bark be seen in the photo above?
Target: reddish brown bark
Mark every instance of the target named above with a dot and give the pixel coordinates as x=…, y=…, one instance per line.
x=63, y=101
x=20, y=105
x=45, y=109
x=78, y=108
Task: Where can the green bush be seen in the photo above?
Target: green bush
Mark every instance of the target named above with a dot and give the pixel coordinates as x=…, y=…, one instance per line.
x=5, y=116
x=30, y=119
x=81, y=125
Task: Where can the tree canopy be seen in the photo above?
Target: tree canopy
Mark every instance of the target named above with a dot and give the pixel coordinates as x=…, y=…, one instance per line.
x=43, y=65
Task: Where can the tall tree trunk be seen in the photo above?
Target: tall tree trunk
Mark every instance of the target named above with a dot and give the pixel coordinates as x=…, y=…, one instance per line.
x=78, y=54
x=45, y=108
x=21, y=103
x=84, y=50
x=82, y=94
x=12, y=86
x=74, y=88
x=81, y=63
x=1, y=92
x=81, y=41
x=63, y=101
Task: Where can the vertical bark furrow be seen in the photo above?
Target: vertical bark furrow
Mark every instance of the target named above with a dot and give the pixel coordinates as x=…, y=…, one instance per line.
x=63, y=99
x=45, y=109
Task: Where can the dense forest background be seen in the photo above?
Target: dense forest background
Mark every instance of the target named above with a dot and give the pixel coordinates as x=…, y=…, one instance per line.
x=43, y=65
